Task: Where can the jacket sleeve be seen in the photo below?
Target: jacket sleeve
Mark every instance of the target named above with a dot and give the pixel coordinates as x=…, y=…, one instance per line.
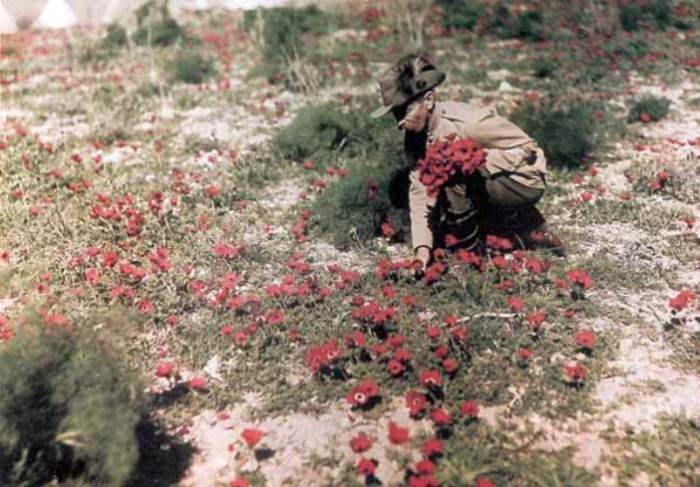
x=421, y=205
x=494, y=131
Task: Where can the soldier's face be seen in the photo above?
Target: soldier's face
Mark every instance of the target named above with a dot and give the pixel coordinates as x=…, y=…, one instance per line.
x=415, y=117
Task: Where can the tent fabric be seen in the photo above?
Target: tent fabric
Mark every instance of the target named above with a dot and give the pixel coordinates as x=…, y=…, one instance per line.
x=57, y=14
x=24, y=12
x=7, y=23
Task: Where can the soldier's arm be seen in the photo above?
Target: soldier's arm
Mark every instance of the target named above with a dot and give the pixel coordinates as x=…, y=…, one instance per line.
x=420, y=205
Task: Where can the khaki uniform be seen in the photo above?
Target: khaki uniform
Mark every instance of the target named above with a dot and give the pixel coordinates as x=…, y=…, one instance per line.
x=513, y=176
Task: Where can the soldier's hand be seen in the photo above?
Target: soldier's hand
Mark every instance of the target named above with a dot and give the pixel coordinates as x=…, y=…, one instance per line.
x=422, y=257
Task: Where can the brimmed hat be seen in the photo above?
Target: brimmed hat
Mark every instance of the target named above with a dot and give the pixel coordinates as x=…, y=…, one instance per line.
x=412, y=76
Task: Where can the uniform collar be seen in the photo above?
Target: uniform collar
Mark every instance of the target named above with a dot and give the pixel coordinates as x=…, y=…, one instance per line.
x=433, y=122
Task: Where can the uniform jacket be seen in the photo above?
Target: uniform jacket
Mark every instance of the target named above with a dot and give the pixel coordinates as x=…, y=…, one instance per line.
x=508, y=152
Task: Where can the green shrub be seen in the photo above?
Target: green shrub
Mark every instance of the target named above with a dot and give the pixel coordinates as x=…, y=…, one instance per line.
x=528, y=25
x=460, y=15
x=349, y=212
x=283, y=28
x=656, y=13
x=543, y=68
x=68, y=412
x=655, y=107
x=567, y=135
x=156, y=27
x=322, y=132
x=116, y=37
x=189, y=66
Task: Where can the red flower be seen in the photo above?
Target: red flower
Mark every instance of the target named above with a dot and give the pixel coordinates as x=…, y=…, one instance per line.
x=164, y=370
x=446, y=158
x=366, y=466
x=516, y=304
x=363, y=393
x=92, y=276
x=430, y=379
x=252, y=436
x=469, y=409
x=361, y=443
x=524, y=354
x=586, y=339
x=227, y=251
x=416, y=403
x=212, y=191
x=681, y=300
x=395, y=367
x=644, y=117
x=432, y=447
x=535, y=319
x=450, y=365
x=388, y=229
x=580, y=277
x=146, y=306
x=397, y=434
x=425, y=467
x=441, y=417
x=198, y=383
x=239, y=482
x=484, y=482
x=575, y=372
x=433, y=332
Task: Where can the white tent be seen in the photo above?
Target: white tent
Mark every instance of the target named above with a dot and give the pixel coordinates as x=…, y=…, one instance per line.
x=24, y=12
x=57, y=14
x=7, y=23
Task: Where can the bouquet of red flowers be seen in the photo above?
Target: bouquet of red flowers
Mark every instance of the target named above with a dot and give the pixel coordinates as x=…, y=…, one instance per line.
x=445, y=158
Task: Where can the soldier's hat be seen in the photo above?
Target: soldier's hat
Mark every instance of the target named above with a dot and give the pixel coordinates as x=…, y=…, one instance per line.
x=410, y=77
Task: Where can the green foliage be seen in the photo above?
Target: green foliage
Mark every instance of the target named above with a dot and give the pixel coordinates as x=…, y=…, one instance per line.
x=543, y=68
x=156, y=28
x=190, y=66
x=656, y=13
x=526, y=25
x=283, y=30
x=323, y=132
x=116, y=37
x=567, y=135
x=655, y=107
x=350, y=212
x=460, y=15
x=68, y=412
x=352, y=209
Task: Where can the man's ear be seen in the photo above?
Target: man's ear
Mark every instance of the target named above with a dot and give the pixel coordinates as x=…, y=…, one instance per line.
x=429, y=100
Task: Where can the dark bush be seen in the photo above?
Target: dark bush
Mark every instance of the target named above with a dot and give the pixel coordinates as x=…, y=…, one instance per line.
x=323, y=132
x=543, y=68
x=156, y=26
x=116, y=37
x=460, y=15
x=567, y=135
x=351, y=210
x=654, y=107
x=189, y=66
x=528, y=25
x=68, y=412
x=656, y=13
x=283, y=28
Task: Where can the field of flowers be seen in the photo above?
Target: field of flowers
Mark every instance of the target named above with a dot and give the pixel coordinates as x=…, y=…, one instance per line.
x=201, y=284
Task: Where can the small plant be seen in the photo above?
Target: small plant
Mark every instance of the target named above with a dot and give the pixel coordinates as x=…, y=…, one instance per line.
x=319, y=132
x=189, y=66
x=567, y=135
x=460, y=15
x=636, y=14
x=649, y=109
x=68, y=412
x=543, y=68
x=116, y=37
x=156, y=28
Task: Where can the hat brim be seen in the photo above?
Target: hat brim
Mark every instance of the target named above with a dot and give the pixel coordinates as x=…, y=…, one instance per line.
x=432, y=78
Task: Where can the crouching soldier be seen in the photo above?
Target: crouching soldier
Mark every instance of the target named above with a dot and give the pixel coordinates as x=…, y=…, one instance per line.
x=498, y=199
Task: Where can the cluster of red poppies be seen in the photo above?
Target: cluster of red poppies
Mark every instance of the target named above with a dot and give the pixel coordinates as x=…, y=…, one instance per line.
x=446, y=158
